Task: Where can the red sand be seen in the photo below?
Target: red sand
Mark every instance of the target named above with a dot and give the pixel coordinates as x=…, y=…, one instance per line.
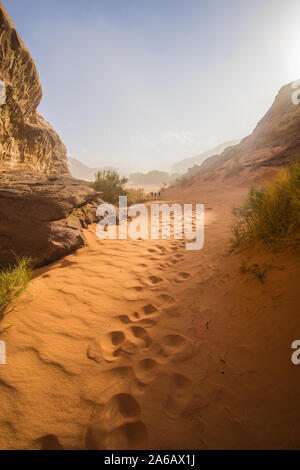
x=141, y=344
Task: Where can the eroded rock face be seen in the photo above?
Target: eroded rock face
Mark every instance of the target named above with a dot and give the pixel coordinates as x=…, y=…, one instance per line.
x=42, y=216
x=26, y=140
x=42, y=209
x=274, y=142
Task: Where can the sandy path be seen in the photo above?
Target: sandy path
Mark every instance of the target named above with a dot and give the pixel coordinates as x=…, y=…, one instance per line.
x=141, y=344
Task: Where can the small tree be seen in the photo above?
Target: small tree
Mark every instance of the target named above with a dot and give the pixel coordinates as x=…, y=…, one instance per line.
x=110, y=184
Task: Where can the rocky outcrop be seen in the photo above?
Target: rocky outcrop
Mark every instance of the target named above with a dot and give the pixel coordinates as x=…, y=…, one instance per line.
x=27, y=141
x=42, y=216
x=274, y=142
x=42, y=208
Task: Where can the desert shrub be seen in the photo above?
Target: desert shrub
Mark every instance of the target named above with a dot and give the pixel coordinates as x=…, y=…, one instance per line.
x=136, y=196
x=259, y=272
x=13, y=280
x=110, y=184
x=271, y=214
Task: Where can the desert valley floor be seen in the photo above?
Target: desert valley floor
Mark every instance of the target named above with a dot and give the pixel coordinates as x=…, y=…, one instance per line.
x=142, y=344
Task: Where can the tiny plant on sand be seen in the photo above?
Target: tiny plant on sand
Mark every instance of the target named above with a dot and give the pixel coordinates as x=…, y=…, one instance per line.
x=272, y=214
x=256, y=270
x=13, y=281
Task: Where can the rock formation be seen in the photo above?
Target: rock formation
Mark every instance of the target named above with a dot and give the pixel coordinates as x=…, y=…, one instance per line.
x=42, y=209
x=274, y=142
x=42, y=216
x=184, y=165
x=27, y=141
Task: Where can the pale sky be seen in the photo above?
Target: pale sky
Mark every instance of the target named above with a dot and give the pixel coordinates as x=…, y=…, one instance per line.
x=141, y=84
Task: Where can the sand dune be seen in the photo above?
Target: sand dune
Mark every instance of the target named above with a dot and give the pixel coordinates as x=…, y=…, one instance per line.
x=142, y=344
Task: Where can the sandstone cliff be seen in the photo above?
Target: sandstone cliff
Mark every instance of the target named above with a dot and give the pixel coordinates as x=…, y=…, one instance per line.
x=27, y=141
x=274, y=142
x=42, y=209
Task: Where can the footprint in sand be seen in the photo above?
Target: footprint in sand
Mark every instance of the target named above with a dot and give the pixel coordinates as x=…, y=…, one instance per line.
x=145, y=322
x=108, y=348
x=50, y=442
x=166, y=298
x=152, y=250
x=178, y=348
x=182, y=276
x=138, y=288
x=141, y=318
x=141, y=335
x=116, y=337
x=146, y=370
x=116, y=343
x=154, y=280
x=150, y=309
x=94, y=352
x=117, y=425
x=162, y=266
x=163, y=250
x=179, y=395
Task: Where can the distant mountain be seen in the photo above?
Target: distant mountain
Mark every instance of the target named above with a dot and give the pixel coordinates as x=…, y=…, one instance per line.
x=274, y=142
x=83, y=172
x=152, y=178
x=184, y=165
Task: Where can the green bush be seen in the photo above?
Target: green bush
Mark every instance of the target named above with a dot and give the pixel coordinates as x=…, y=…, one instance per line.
x=13, y=281
x=136, y=196
x=271, y=214
x=110, y=184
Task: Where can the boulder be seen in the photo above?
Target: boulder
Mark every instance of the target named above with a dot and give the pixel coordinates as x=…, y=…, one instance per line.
x=42, y=216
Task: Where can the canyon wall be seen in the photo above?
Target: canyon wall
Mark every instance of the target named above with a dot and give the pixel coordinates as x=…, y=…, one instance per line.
x=274, y=142
x=27, y=141
x=43, y=210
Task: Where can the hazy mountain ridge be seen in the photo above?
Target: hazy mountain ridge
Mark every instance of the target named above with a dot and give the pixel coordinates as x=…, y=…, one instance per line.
x=153, y=177
x=274, y=142
x=81, y=171
x=184, y=165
